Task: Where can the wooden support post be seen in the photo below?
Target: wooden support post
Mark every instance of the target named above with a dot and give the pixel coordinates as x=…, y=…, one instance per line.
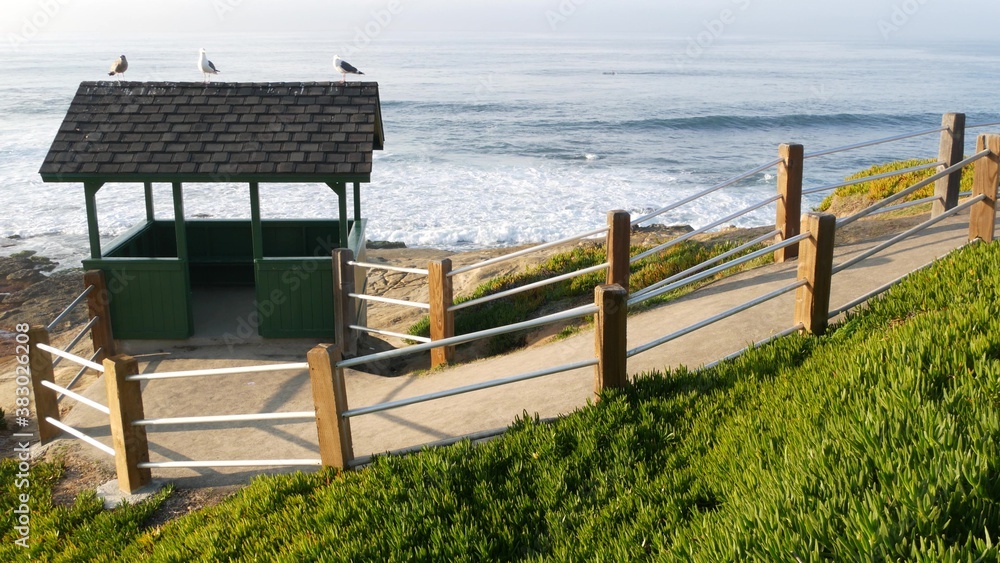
x=790, y=205
x=147, y=189
x=951, y=153
x=180, y=228
x=343, y=304
x=99, y=305
x=125, y=403
x=610, y=338
x=442, y=320
x=90, y=193
x=40, y=362
x=336, y=448
x=341, y=190
x=357, y=201
x=982, y=215
x=619, y=247
x=256, y=230
x=812, y=301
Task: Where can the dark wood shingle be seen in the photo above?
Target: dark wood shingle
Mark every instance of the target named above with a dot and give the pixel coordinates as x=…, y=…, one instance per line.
x=183, y=131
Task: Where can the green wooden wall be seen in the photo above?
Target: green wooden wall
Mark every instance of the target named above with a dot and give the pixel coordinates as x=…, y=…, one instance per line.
x=149, y=298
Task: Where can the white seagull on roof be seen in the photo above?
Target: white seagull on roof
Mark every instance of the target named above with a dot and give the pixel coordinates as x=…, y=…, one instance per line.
x=344, y=67
x=118, y=67
x=205, y=65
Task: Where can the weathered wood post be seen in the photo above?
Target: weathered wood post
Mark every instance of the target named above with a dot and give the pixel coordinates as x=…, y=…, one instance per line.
x=46, y=402
x=343, y=304
x=951, y=153
x=99, y=305
x=336, y=448
x=787, y=219
x=442, y=320
x=611, y=338
x=982, y=215
x=812, y=300
x=129, y=441
x=619, y=247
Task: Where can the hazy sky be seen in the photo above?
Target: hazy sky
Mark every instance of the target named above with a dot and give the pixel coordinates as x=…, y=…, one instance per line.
x=878, y=20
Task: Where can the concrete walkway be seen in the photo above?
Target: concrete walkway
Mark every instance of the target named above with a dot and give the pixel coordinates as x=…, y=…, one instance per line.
x=472, y=412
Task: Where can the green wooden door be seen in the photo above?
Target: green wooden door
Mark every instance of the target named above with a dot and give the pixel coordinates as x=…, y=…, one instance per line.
x=295, y=297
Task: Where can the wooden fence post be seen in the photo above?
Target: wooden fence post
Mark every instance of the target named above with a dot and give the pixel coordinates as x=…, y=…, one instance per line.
x=99, y=305
x=336, y=448
x=125, y=403
x=40, y=362
x=343, y=304
x=951, y=153
x=618, y=247
x=442, y=320
x=812, y=301
x=611, y=338
x=787, y=219
x=983, y=214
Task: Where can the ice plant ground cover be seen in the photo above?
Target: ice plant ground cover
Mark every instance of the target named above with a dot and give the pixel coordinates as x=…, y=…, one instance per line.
x=880, y=440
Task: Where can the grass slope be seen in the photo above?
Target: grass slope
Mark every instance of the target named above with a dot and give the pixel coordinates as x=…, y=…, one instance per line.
x=876, y=190
x=878, y=441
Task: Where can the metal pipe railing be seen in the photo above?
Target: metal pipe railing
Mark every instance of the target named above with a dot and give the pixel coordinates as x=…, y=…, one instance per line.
x=389, y=268
x=699, y=267
x=389, y=333
x=901, y=194
x=473, y=437
x=908, y=233
x=466, y=389
x=76, y=396
x=907, y=204
x=578, y=312
x=80, y=373
x=528, y=287
x=519, y=253
x=706, y=228
x=71, y=357
x=978, y=125
x=218, y=371
x=230, y=463
x=711, y=320
x=414, y=304
x=846, y=148
x=69, y=308
x=757, y=344
x=76, y=339
x=882, y=289
x=300, y=415
x=871, y=178
x=74, y=432
x=718, y=269
x=703, y=193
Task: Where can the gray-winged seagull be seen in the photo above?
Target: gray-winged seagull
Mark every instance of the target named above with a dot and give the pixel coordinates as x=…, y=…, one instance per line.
x=344, y=67
x=118, y=67
x=205, y=65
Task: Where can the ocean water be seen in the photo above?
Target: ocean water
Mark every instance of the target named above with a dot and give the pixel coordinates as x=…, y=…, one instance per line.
x=509, y=139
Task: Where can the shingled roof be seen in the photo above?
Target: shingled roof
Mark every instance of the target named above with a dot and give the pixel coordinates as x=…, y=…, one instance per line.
x=220, y=132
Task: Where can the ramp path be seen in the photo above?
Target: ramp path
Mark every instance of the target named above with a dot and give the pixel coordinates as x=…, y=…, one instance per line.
x=472, y=412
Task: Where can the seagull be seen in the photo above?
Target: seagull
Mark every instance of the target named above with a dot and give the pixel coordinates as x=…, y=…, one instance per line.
x=344, y=67
x=118, y=67
x=205, y=66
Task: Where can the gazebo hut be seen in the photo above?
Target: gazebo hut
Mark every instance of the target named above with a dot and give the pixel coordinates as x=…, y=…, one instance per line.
x=166, y=132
